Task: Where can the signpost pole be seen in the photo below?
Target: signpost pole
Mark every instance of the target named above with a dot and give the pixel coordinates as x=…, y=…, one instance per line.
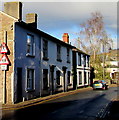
x=4, y=77
x=4, y=87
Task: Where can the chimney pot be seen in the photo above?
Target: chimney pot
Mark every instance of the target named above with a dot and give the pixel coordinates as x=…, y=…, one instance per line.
x=65, y=37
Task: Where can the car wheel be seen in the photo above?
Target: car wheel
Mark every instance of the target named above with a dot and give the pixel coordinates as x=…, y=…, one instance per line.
x=103, y=87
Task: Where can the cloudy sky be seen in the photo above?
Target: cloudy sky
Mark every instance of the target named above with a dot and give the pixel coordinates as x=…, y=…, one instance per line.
x=65, y=16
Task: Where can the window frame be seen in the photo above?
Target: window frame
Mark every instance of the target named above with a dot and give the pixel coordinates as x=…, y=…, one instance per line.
x=69, y=78
x=68, y=55
x=45, y=49
x=58, y=78
x=45, y=87
x=30, y=46
x=59, y=53
x=79, y=59
x=80, y=76
x=29, y=89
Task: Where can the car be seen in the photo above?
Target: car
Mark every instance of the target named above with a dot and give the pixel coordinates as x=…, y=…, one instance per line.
x=100, y=84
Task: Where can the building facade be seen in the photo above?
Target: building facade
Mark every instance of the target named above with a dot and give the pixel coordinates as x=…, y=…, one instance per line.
x=39, y=64
x=81, y=68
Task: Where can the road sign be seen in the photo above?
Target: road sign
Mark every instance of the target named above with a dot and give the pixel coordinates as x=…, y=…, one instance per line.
x=4, y=48
x=4, y=60
x=3, y=67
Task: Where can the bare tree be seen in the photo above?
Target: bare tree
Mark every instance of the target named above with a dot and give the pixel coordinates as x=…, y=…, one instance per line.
x=93, y=35
x=95, y=41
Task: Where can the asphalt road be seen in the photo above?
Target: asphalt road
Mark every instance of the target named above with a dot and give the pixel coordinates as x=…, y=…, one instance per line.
x=85, y=105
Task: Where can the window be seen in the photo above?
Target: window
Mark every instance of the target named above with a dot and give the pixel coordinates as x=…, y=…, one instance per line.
x=58, y=77
x=85, y=78
x=79, y=59
x=68, y=77
x=30, y=45
x=45, y=49
x=87, y=61
x=68, y=55
x=80, y=78
x=45, y=79
x=88, y=77
x=84, y=58
x=59, y=53
x=30, y=79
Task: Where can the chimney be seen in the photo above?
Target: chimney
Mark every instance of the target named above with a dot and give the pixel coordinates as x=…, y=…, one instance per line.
x=31, y=19
x=65, y=37
x=13, y=9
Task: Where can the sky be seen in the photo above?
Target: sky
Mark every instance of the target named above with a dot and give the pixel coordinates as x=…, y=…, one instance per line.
x=56, y=17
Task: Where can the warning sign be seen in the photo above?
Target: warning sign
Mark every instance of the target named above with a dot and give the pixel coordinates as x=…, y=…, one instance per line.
x=4, y=48
x=4, y=60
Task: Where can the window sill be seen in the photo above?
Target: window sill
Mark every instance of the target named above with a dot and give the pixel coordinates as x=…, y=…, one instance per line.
x=59, y=86
x=69, y=84
x=59, y=60
x=29, y=55
x=68, y=62
x=30, y=90
x=45, y=58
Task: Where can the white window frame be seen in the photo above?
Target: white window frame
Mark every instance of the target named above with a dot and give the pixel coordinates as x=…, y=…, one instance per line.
x=30, y=89
x=30, y=44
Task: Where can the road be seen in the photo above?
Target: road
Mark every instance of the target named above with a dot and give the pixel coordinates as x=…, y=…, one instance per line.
x=85, y=105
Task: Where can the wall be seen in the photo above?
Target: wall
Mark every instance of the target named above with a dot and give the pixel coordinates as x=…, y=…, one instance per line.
x=24, y=62
x=7, y=29
x=52, y=55
x=82, y=69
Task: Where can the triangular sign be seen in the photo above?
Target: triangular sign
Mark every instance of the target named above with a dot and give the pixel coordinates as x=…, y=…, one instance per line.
x=4, y=60
x=4, y=48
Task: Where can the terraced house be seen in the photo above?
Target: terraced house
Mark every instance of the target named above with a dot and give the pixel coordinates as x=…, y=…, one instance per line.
x=34, y=63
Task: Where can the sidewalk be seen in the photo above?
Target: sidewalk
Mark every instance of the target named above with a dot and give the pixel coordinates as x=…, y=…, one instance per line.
x=41, y=99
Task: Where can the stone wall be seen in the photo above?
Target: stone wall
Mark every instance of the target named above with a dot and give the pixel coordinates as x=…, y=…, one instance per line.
x=7, y=35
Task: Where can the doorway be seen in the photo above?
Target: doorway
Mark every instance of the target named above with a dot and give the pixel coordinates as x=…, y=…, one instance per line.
x=19, y=85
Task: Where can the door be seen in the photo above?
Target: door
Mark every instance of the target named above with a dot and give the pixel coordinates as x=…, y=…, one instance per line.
x=19, y=85
x=64, y=78
x=52, y=79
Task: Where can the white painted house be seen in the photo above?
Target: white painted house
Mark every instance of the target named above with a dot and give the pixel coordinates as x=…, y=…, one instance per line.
x=81, y=68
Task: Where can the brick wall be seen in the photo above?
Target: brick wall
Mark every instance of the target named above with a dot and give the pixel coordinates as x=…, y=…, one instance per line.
x=7, y=24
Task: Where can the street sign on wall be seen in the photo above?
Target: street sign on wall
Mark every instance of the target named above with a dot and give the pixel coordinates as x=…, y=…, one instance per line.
x=4, y=48
x=4, y=60
x=3, y=67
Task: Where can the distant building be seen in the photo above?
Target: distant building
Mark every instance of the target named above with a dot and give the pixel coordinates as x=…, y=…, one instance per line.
x=112, y=65
x=39, y=64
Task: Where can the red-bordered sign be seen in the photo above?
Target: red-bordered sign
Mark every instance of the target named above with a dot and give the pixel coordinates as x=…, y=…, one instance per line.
x=3, y=48
x=4, y=60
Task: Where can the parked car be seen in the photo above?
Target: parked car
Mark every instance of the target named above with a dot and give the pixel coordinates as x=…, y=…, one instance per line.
x=100, y=84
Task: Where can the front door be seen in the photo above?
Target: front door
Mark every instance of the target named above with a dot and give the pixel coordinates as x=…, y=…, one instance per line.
x=52, y=79
x=19, y=85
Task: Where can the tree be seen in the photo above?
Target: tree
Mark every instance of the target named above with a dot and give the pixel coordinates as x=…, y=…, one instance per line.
x=94, y=40
x=93, y=34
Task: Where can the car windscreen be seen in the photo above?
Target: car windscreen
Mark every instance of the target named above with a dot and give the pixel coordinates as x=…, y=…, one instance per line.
x=96, y=82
